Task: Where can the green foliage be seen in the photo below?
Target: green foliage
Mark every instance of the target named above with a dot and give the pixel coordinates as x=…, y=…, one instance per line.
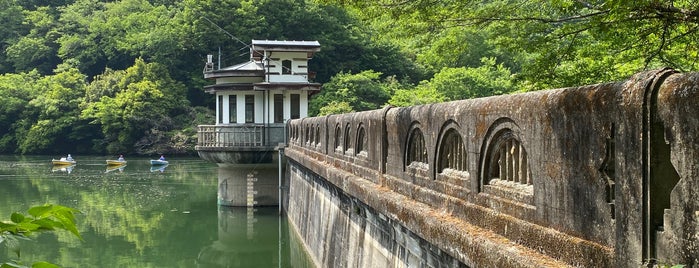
x=362, y=91
x=38, y=219
x=466, y=83
x=373, y=53
x=335, y=107
x=548, y=44
x=416, y=96
x=127, y=105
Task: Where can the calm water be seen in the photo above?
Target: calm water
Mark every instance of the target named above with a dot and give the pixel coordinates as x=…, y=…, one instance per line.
x=140, y=216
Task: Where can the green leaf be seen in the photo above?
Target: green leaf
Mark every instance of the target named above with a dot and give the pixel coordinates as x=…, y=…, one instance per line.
x=47, y=224
x=12, y=265
x=39, y=211
x=44, y=264
x=17, y=217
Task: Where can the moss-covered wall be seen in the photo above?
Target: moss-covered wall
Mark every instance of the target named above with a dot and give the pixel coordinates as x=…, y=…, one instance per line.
x=594, y=176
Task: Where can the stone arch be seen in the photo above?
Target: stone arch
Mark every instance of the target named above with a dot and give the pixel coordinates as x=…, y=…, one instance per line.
x=504, y=160
x=347, y=143
x=451, y=150
x=360, y=143
x=416, y=151
x=318, y=139
x=307, y=134
x=338, y=136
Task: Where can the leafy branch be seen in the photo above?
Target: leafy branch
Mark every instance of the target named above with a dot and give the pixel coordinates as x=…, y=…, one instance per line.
x=39, y=219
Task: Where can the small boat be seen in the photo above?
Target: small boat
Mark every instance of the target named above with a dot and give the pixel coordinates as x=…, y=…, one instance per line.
x=116, y=162
x=158, y=162
x=63, y=162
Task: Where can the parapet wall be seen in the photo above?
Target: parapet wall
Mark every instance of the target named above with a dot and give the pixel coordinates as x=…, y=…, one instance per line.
x=596, y=176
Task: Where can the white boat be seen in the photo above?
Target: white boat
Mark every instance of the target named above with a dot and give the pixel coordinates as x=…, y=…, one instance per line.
x=158, y=162
x=116, y=162
x=63, y=161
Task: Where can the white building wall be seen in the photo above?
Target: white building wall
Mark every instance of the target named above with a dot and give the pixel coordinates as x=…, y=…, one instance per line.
x=240, y=109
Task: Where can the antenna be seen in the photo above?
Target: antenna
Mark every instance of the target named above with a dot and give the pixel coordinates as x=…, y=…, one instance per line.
x=229, y=34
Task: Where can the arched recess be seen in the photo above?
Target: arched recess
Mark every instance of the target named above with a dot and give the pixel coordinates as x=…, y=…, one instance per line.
x=504, y=163
x=451, y=150
x=338, y=136
x=318, y=138
x=360, y=143
x=416, y=150
x=347, y=142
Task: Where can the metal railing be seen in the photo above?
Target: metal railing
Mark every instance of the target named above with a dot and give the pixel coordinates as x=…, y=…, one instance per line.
x=223, y=136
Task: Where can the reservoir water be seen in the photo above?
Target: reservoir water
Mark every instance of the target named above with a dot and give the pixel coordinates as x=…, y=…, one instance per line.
x=143, y=216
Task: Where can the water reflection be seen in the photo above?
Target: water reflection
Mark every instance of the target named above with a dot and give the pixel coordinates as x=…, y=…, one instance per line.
x=160, y=168
x=137, y=218
x=120, y=168
x=63, y=168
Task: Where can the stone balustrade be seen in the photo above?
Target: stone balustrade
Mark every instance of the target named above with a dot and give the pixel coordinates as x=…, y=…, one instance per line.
x=604, y=175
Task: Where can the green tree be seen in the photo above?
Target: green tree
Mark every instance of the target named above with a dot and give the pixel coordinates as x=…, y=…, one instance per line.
x=16, y=91
x=362, y=91
x=335, y=107
x=11, y=15
x=141, y=99
x=554, y=43
x=37, y=49
x=467, y=83
x=56, y=125
x=417, y=96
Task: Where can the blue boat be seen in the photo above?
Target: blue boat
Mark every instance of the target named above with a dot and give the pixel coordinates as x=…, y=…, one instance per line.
x=158, y=162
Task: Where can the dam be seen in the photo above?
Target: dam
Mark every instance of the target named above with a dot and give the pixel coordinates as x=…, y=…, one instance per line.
x=595, y=176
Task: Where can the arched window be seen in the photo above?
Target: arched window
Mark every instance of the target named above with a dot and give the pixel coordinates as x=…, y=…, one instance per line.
x=506, y=160
x=417, y=152
x=317, y=134
x=347, y=141
x=338, y=132
x=361, y=140
x=307, y=133
x=452, y=153
x=286, y=67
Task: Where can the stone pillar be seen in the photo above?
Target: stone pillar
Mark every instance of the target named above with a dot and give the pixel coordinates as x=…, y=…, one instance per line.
x=248, y=185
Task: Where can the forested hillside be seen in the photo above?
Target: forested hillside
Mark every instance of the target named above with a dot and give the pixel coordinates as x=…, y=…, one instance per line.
x=125, y=76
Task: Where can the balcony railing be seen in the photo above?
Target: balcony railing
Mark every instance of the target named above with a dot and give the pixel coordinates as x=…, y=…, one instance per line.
x=239, y=136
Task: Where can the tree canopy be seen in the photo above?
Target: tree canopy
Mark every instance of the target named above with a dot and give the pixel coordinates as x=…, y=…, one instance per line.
x=125, y=76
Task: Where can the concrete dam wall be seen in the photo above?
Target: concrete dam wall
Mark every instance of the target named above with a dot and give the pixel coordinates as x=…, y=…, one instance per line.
x=604, y=175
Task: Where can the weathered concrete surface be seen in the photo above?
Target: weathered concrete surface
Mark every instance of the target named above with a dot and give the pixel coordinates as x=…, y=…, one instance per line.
x=595, y=176
x=248, y=185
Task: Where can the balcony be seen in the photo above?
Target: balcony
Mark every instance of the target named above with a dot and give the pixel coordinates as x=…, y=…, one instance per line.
x=239, y=143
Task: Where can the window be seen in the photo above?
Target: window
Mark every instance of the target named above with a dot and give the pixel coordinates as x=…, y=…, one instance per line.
x=317, y=134
x=338, y=132
x=417, y=152
x=452, y=154
x=286, y=67
x=220, y=109
x=507, y=160
x=278, y=108
x=295, y=106
x=249, y=108
x=232, y=109
x=361, y=140
x=347, y=142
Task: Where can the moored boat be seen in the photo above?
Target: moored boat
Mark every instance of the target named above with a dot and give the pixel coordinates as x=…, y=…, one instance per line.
x=158, y=162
